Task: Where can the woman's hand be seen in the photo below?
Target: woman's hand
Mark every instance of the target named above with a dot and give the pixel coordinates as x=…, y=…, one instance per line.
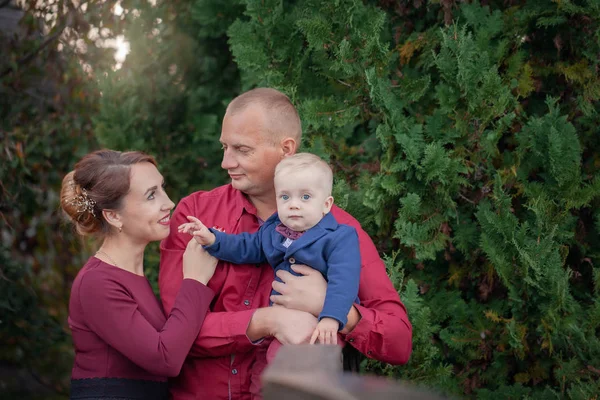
x=304, y=293
x=197, y=263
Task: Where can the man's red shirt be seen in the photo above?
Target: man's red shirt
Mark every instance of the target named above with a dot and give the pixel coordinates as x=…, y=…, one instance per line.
x=218, y=365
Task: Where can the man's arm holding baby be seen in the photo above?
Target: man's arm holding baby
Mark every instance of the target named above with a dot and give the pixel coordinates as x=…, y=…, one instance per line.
x=379, y=326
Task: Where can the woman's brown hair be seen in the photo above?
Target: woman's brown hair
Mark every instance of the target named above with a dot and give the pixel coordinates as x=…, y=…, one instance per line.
x=99, y=182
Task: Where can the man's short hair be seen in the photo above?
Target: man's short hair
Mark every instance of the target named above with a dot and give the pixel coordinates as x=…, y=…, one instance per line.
x=303, y=161
x=282, y=116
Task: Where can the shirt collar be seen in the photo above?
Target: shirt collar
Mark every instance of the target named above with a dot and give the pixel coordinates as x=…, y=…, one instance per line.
x=242, y=203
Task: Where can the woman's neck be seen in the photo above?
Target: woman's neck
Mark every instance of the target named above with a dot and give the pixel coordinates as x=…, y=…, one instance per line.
x=123, y=254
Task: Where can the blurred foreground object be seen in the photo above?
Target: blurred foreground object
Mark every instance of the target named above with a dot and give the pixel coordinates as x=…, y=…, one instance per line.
x=314, y=372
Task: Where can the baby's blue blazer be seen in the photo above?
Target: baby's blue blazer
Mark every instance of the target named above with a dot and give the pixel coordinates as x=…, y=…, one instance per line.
x=328, y=247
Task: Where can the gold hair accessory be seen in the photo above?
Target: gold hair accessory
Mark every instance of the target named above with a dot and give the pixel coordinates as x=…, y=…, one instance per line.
x=83, y=202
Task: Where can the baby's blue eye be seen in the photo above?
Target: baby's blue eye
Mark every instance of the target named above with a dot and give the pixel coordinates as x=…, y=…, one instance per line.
x=306, y=197
x=285, y=196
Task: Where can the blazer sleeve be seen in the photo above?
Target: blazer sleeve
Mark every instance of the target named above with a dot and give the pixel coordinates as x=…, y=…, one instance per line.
x=112, y=313
x=242, y=248
x=343, y=275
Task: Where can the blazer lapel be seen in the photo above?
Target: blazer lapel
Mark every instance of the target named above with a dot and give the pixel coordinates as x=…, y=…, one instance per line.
x=326, y=225
x=276, y=238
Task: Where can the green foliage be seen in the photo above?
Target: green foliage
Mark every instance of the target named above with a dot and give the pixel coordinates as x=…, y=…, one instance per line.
x=26, y=330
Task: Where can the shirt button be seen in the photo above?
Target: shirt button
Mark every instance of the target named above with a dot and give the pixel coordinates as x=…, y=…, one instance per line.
x=246, y=302
x=234, y=371
x=351, y=340
x=292, y=260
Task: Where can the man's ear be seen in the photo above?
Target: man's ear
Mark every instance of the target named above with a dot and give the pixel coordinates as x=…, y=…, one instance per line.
x=289, y=146
x=113, y=218
x=328, y=205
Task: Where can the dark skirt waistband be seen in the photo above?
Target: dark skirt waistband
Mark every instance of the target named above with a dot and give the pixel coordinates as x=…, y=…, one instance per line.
x=118, y=388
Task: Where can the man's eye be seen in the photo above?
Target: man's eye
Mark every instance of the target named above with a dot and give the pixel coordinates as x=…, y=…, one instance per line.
x=306, y=197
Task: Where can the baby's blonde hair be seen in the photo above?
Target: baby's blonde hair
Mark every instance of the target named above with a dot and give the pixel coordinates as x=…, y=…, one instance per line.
x=301, y=162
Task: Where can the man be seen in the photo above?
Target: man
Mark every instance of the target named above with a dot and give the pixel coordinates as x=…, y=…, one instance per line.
x=261, y=127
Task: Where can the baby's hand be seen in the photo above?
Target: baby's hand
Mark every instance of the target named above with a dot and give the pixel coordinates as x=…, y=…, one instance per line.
x=326, y=331
x=197, y=229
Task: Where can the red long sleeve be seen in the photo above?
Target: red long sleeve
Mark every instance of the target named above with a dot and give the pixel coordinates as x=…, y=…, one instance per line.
x=119, y=329
x=384, y=331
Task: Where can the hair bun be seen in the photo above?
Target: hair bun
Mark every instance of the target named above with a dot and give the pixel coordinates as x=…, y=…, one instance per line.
x=78, y=206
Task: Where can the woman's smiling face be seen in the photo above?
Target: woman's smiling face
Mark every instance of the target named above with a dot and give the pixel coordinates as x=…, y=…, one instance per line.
x=146, y=210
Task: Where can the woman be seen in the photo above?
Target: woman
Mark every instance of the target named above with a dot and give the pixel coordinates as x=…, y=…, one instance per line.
x=125, y=347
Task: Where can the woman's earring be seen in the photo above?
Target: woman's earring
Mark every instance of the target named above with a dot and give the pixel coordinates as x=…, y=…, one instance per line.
x=120, y=229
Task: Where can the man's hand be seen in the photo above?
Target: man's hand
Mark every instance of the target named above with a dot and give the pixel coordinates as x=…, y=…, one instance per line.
x=292, y=326
x=304, y=293
x=197, y=229
x=287, y=326
x=326, y=331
